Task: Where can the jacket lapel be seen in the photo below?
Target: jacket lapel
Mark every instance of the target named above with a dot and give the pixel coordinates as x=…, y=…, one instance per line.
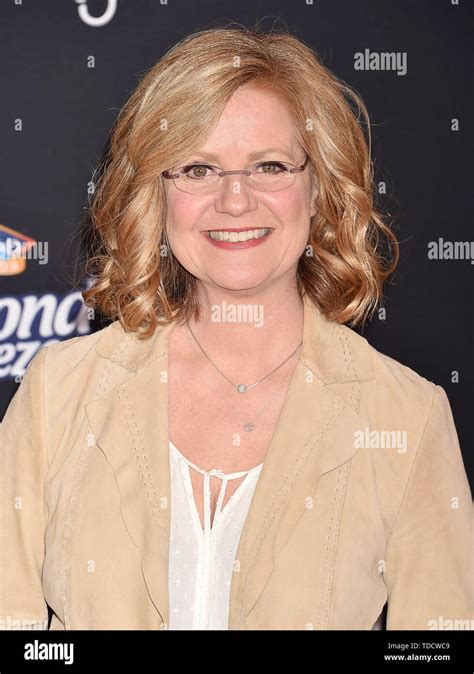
x=314, y=434
x=130, y=426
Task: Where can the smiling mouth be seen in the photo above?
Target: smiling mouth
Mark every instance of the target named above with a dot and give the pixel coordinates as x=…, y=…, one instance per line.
x=237, y=236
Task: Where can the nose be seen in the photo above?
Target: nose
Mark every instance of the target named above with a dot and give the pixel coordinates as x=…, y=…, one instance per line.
x=234, y=196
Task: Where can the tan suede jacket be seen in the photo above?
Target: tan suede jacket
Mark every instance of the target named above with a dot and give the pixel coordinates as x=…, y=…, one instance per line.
x=363, y=498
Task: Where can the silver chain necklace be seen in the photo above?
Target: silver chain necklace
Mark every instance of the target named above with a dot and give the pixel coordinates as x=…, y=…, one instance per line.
x=243, y=388
x=250, y=425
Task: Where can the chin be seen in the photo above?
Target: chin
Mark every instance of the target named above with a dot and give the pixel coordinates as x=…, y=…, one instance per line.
x=239, y=281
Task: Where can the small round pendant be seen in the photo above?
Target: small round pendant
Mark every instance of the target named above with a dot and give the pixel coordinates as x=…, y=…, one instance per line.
x=249, y=426
x=241, y=388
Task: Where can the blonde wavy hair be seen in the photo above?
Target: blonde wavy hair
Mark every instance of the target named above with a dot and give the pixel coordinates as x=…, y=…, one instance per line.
x=134, y=275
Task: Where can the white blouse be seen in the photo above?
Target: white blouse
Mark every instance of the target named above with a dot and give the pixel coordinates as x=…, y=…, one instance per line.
x=201, y=560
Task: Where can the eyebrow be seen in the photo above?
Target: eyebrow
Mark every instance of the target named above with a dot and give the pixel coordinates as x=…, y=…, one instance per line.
x=251, y=155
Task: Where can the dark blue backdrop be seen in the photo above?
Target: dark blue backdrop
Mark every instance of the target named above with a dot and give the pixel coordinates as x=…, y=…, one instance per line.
x=65, y=75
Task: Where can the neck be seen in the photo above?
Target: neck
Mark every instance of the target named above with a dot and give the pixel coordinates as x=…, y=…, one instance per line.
x=249, y=332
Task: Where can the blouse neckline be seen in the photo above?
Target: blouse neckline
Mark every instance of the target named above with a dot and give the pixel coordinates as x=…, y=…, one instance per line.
x=215, y=471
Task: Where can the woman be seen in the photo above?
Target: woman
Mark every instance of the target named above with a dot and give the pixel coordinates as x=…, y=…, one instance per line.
x=228, y=453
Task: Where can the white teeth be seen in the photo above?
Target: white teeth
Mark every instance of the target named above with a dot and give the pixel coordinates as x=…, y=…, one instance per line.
x=238, y=236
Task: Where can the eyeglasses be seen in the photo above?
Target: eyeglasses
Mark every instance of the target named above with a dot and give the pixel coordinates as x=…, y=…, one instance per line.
x=265, y=176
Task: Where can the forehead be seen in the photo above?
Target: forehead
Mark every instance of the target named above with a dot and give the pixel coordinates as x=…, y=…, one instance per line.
x=253, y=119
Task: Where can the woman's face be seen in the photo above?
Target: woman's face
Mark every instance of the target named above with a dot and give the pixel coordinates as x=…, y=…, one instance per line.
x=254, y=120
